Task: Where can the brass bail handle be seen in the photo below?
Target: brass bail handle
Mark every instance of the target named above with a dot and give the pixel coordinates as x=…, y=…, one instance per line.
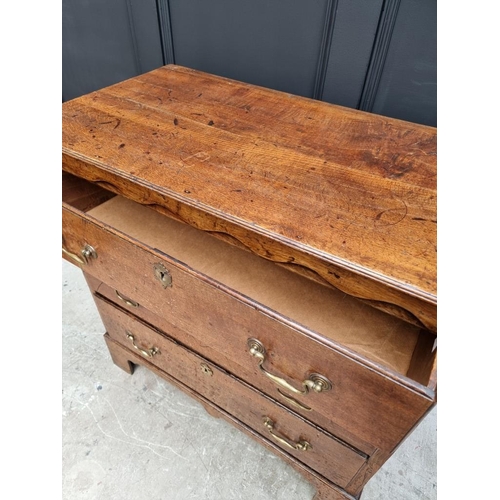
x=129, y=302
x=299, y=445
x=86, y=253
x=149, y=353
x=318, y=383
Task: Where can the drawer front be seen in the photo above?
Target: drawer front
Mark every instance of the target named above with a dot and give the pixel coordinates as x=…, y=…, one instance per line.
x=322, y=452
x=362, y=405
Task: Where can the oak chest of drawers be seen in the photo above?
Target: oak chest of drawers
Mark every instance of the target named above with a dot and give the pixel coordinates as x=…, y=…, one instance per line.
x=273, y=256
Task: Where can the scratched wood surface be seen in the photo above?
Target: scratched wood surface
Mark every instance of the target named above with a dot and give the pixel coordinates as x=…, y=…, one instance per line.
x=215, y=316
x=127, y=360
x=328, y=456
x=347, y=196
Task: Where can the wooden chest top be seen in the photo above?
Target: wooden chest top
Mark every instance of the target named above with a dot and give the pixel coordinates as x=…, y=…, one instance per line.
x=345, y=197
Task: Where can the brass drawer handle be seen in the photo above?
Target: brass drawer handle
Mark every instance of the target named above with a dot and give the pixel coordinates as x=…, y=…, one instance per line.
x=148, y=353
x=129, y=302
x=294, y=402
x=299, y=445
x=316, y=382
x=87, y=253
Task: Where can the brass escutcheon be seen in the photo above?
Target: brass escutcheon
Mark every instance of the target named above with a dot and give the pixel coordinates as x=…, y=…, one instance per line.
x=206, y=369
x=162, y=275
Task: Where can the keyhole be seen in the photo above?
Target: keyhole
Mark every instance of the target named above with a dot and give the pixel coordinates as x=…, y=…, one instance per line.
x=162, y=275
x=206, y=369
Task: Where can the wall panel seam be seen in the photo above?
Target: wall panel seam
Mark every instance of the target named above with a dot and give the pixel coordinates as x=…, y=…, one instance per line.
x=133, y=34
x=378, y=57
x=325, y=48
x=166, y=36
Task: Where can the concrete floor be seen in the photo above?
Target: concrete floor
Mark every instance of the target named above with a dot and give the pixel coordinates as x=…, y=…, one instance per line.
x=139, y=438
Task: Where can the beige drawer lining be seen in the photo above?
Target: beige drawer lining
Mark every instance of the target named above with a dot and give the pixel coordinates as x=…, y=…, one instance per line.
x=371, y=333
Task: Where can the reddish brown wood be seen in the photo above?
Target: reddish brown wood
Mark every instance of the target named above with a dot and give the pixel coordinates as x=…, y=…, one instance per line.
x=120, y=357
x=345, y=198
x=327, y=311
x=212, y=315
x=433, y=377
x=326, y=490
x=423, y=361
x=370, y=467
x=327, y=455
x=347, y=195
x=202, y=346
x=81, y=194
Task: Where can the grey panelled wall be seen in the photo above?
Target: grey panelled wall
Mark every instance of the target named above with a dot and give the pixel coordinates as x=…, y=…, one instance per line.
x=407, y=87
x=270, y=43
x=106, y=41
x=350, y=51
x=374, y=55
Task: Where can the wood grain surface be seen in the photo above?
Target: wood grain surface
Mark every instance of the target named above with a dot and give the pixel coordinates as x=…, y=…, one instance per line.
x=368, y=400
x=126, y=360
x=347, y=195
x=212, y=352
x=336, y=461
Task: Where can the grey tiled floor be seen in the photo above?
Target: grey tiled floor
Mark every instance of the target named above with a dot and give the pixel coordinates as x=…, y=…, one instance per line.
x=137, y=437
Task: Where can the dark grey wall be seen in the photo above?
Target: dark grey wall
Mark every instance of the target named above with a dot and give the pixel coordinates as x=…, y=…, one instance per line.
x=271, y=43
x=106, y=41
x=375, y=55
x=350, y=50
x=407, y=87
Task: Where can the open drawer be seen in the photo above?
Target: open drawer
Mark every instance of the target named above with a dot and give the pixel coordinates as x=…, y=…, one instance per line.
x=357, y=372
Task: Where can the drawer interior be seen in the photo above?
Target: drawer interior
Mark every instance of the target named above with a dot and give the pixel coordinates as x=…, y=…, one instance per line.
x=373, y=334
